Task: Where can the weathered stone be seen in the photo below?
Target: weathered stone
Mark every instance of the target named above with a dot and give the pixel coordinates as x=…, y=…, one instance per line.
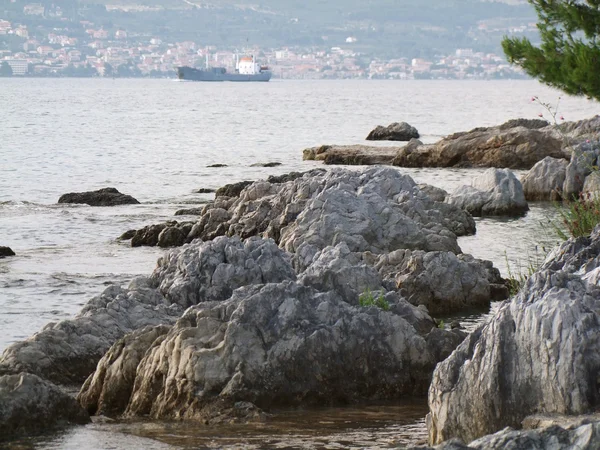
x=442, y=281
x=512, y=148
x=232, y=190
x=539, y=354
x=280, y=345
x=205, y=191
x=101, y=197
x=171, y=237
x=210, y=271
x=30, y=405
x=496, y=192
x=545, y=180
x=67, y=352
x=189, y=211
x=584, y=437
x=584, y=160
x=351, y=155
x=216, y=166
x=394, y=132
x=107, y=391
x=591, y=187
x=434, y=193
x=6, y=251
x=531, y=124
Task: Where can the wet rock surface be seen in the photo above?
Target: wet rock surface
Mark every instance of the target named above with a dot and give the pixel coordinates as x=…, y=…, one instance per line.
x=496, y=192
x=351, y=155
x=30, y=405
x=6, y=251
x=394, y=132
x=102, y=197
x=538, y=354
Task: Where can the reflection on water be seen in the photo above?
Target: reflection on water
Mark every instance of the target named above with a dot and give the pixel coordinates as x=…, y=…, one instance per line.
x=373, y=426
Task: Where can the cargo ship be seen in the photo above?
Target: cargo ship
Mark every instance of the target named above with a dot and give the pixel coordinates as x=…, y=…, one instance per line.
x=246, y=69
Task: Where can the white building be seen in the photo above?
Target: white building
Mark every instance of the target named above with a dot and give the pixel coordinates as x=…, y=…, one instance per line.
x=18, y=66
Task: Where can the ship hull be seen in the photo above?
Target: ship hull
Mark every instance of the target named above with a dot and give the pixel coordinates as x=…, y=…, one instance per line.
x=189, y=73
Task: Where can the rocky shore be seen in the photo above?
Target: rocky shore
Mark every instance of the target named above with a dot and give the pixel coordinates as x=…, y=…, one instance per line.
x=326, y=288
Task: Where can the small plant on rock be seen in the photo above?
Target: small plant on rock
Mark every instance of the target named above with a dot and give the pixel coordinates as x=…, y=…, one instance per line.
x=369, y=298
x=579, y=216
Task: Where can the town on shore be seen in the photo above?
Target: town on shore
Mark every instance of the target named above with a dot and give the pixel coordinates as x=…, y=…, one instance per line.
x=104, y=53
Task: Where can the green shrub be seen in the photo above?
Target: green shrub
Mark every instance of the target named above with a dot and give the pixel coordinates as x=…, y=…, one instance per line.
x=368, y=298
x=579, y=217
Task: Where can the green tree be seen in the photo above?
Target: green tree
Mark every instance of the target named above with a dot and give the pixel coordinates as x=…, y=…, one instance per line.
x=5, y=70
x=568, y=57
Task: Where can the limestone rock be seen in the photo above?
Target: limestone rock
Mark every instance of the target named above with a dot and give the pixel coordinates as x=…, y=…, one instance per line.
x=434, y=193
x=512, y=148
x=539, y=354
x=210, y=271
x=101, y=197
x=30, y=405
x=107, y=391
x=496, y=192
x=545, y=180
x=442, y=281
x=591, y=187
x=351, y=155
x=584, y=160
x=279, y=345
x=394, y=132
x=232, y=190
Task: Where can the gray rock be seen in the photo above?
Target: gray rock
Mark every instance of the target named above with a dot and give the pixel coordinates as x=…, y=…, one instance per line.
x=434, y=193
x=216, y=166
x=545, y=180
x=6, y=251
x=210, y=271
x=168, y=234
x=101, y=197
x=591, y=187
x=232, y=190
x=280, y=345
x=30, y=405
x=530, y=124
x=189, y=211
x=496, y=192
x=583, y=437
x=67, y=352
x=539, y=354
x=351, y=155
x=171, y=237
x=584, y=159
x=205, y=191
x=442, y=281
x=267, y=164
x=107, y=391
x=394, y=132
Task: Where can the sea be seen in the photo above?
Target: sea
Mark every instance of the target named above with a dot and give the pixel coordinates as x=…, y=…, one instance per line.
x=155, y=140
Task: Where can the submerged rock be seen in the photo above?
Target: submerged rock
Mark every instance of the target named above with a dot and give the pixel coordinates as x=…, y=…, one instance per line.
x=280, y=345
x=267, y=164
x=6, y=251
x=539, y=354
x=496, y=192
x=351, y=155
x=545, y=180
x=394, y=132
x=102, y=197
x=30, y=405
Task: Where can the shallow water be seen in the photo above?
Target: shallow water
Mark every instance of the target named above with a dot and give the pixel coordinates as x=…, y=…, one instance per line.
x=154, y=139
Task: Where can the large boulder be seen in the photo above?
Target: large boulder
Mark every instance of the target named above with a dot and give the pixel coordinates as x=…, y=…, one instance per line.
x=102, y=197
x=442, y=281
x=539, y=354
x=30, y=405
x=376, y=209
x=394, y=132
x=514, y=147
x=280, y=345
x=584, y=160
x=496, y=192
x=6, y=251
x=591, y=187
x=586, y=436
x=545, y=180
